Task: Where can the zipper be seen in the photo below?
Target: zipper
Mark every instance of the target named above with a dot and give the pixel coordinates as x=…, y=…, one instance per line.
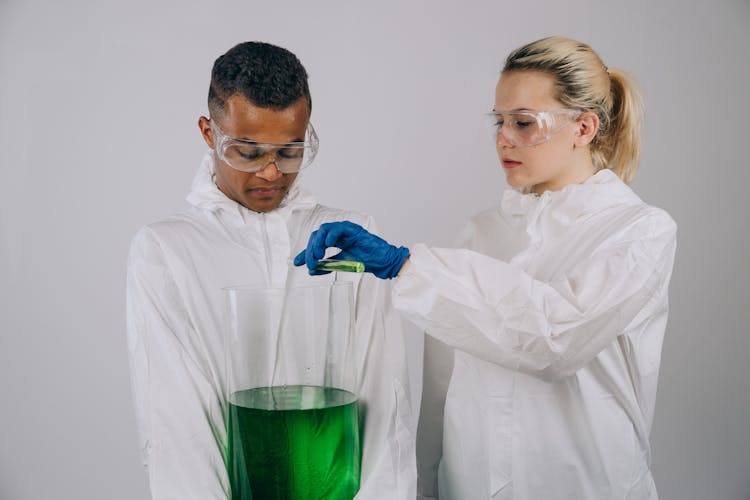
x=267, y=249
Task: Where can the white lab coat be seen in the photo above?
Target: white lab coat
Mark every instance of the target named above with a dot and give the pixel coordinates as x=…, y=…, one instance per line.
x=556, y=310
x=177, y=311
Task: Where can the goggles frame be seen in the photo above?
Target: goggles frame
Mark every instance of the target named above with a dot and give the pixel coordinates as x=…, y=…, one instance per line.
x=521, y=132
x=300, y=154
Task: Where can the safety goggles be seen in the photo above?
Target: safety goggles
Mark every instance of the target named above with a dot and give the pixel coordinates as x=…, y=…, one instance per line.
x=529, y=128
x=250, y=156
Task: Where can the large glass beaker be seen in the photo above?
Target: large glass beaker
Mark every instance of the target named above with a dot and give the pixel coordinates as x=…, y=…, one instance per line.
x=292, y=412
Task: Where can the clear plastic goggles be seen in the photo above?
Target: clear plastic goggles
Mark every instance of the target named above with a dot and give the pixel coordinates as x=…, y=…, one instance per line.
x=529, y=128
x=250, y=156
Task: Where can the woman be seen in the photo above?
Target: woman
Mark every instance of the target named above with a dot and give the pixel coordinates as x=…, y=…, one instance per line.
x=557, y=304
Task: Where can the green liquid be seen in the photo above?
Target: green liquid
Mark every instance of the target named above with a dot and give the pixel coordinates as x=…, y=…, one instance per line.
x=293, y=442
x=347, y=266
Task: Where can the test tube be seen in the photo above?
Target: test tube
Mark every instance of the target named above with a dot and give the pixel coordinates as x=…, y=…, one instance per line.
x=348, y=266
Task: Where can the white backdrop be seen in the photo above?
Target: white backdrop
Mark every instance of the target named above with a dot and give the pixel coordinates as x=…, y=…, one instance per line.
x=98, y=108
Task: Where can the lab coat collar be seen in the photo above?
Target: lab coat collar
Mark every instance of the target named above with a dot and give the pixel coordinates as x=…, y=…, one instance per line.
x=599, y=191
x=204, y=194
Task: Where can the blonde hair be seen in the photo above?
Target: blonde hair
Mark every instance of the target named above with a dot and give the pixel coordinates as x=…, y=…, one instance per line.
x=584, y=82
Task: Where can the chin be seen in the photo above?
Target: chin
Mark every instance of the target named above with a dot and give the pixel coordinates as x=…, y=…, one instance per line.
x=515, y=181
x=263, y=207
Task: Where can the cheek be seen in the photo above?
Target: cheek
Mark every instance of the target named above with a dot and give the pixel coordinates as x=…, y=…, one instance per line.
x=230, y=178
x=539, y=165
x=551, y=156
x=290, y=178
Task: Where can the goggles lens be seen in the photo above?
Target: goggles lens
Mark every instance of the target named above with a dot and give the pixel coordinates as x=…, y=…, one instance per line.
x=249, y=156
x=527, y=128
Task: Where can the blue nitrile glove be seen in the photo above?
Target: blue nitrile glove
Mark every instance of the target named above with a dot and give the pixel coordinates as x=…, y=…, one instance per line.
x=379, y=257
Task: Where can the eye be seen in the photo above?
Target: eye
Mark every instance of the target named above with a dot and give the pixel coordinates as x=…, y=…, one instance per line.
x=291, y=153
x=523, y=124
x=249, y=153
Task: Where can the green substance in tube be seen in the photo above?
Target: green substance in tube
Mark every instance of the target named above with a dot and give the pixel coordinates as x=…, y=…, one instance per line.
x=349, y=266
x=293, y=442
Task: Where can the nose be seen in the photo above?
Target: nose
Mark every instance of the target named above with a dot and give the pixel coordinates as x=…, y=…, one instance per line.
x=501, y=141
x=270, y=171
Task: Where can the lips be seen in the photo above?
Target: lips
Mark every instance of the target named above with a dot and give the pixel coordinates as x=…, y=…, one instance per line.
x=508, y=163
x=266, y=191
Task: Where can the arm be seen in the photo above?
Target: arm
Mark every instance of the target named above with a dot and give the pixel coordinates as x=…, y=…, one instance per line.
x=498, y=312
x=177, y=408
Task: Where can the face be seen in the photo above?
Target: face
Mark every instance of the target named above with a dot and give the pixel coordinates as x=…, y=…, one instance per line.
x=263, y=190
x=564, y=158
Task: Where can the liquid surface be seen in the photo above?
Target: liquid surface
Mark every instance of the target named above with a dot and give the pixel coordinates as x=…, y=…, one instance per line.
x=293, y=442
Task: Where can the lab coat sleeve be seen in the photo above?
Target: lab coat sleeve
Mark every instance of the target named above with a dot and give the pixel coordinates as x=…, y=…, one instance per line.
x=176, y=407
x=389, y=425
x=497, y=312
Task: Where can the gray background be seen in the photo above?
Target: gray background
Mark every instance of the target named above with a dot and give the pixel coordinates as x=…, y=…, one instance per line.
x=98, y=136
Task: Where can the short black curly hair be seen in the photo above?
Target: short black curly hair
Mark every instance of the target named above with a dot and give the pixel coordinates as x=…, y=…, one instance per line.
x=266, y=75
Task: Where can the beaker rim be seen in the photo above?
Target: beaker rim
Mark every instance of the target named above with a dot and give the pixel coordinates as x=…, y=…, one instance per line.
x=259, y=288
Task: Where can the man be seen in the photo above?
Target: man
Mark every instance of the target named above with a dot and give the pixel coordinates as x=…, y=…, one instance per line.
x=247, y=218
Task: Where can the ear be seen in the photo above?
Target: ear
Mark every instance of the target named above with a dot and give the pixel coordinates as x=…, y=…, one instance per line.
x=586, y=128
x=204, y=124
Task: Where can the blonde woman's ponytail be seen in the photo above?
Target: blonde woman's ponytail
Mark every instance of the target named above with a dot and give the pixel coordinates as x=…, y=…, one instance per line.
x=619, y=144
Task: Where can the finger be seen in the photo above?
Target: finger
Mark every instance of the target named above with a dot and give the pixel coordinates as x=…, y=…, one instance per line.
x=337, y=234
x=314, y=252
x=351, y=226
x=318, y=272
x=316, y=246
x=299, y=259
x=343, y=255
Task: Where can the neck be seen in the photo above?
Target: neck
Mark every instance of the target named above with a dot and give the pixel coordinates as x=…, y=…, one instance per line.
x=577, y=172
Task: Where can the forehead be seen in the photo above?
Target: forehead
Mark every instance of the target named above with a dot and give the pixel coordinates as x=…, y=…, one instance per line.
x=525, y=89
x=244, y=120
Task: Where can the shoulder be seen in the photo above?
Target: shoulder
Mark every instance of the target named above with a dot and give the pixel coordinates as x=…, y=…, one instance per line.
x=643, y=231
x=617, y=205
x=492, y=220
x=489, y=216
x=645, y=218
x=155, y=235
x=654, y=224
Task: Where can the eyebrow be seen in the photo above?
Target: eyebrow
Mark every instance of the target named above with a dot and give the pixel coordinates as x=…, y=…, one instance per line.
x=253, y=141
x=517, y=110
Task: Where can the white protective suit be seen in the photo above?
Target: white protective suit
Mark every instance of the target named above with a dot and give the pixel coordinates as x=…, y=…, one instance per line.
x=176, y=313
x=556, y=311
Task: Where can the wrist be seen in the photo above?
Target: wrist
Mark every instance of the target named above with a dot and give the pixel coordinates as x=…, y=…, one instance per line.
x=392, y=263
x=402, y=254
x=403, y=266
